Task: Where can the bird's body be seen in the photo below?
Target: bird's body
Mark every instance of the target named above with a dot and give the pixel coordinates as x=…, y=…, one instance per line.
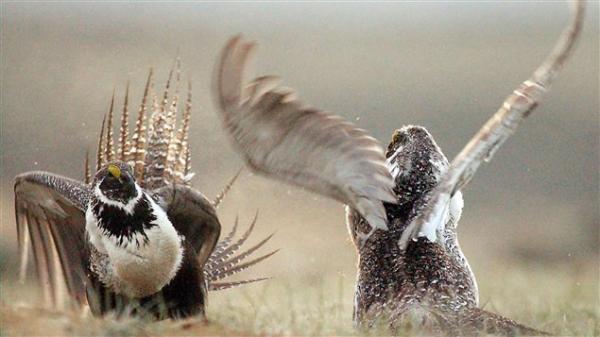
x=151, y=268
x=428, y=284
x=136, y=252
x=135, y=239
x=402, y=208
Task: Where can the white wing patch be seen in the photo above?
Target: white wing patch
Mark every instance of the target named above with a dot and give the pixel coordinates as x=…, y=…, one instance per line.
x=456, y=206
x=481, y=148
x=437, y=221
x=448, y=211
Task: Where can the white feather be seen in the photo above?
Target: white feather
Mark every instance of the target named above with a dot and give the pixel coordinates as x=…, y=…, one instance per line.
x=128, y=207
x=144, y=269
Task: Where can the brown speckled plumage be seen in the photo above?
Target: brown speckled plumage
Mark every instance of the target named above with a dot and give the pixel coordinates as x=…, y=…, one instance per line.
x=427, y=280
x=411, y=268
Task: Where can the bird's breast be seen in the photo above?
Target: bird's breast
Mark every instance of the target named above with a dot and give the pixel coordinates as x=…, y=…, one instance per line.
x=140, y=260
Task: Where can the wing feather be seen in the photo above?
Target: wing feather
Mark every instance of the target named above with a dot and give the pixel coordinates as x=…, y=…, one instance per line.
x=280, y=138
x=50, y=212
x=494, y=133
x=193, y=216
x=40, y=257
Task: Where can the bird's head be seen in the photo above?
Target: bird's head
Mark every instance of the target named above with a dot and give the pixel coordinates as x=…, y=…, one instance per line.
x=116, y=183
x=415, y=162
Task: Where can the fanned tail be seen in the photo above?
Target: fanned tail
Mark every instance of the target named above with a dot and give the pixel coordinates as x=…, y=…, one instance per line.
x=226, y=272
x=167, y=158
x=234, y=247
x=222, y=263
x=158, y=153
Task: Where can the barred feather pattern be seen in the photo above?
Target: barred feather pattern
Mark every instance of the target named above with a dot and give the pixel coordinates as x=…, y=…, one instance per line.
x=224, y=263
x=174, y=147
x=226, y=189
x=188, y=163
x=110, y=152
x=227, y=285
x=124, y=143
x=223, y=244
x=137, y=154
x=100, y=153
x=180, y=164
x=87, y=175
x=164, y=158
x=158, y=142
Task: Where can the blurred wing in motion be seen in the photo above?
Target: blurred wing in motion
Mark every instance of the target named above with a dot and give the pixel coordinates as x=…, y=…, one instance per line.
x=494, y=133
x=51, y=209
x=280, y=138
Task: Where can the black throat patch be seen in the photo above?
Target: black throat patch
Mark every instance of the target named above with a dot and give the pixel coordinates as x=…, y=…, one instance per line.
x=114, y=221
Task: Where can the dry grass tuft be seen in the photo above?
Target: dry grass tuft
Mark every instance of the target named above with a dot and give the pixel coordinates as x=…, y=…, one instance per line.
x=566, y=303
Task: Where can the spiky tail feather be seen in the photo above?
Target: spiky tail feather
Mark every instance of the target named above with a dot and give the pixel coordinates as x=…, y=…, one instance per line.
x=100, y=159
x=159, y=137
x=160, y=156
x=231, y=249
x=226, y=189
x=124, y=143
x=137, y=154
x=229, y=285
x=222, y=263
x=110, y=152
x=161, y=149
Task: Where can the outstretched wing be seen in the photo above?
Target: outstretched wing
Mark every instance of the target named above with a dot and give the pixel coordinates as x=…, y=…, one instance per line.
x=51, y=209
x=494, y=133
x=193, y=216
x=280, y=138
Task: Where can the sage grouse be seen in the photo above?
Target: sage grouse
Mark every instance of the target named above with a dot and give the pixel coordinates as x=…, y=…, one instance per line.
x=136, y=239
x=403, y=206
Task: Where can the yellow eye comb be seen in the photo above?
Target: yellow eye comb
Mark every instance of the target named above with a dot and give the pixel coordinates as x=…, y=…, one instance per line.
x=114, y=170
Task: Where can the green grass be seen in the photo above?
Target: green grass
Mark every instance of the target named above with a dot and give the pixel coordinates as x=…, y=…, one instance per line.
x=555, y=299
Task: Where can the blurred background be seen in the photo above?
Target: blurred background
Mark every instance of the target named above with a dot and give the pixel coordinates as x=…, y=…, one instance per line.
x=446, y=66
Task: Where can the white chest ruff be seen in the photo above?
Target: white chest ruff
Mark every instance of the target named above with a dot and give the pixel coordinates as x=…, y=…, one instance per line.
x=137, y=270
